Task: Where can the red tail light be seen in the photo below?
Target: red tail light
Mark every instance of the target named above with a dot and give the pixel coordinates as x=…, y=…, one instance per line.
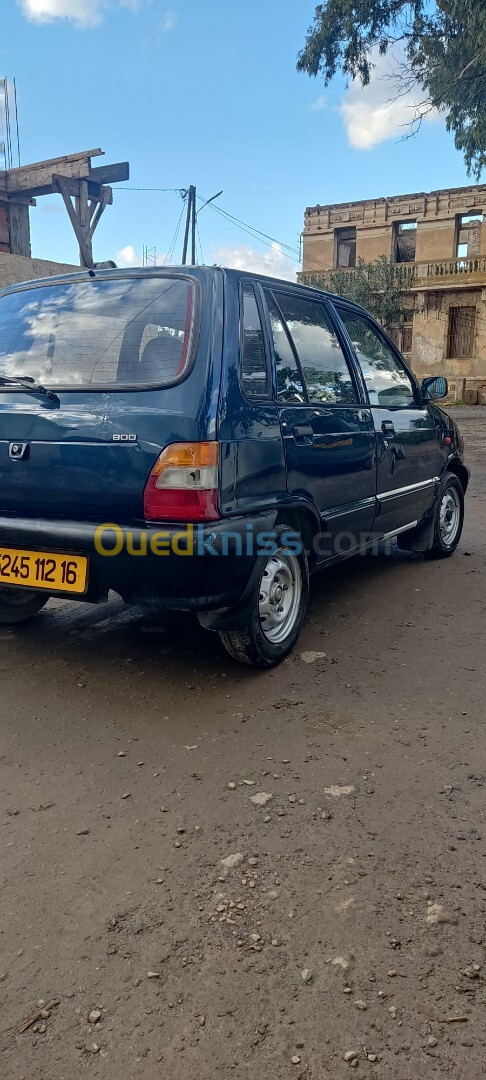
x=183, y=484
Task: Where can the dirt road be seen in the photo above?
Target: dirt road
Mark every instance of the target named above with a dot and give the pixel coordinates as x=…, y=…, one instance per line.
x=351, y=919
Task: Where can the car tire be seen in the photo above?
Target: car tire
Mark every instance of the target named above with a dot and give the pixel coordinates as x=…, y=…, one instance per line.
x=17, y=605
x=448, y=518
x=279, y=608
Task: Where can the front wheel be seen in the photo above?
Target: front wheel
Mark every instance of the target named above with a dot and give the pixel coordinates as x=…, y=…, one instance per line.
x=279, y=610
x=18, y=605
x=449, y=518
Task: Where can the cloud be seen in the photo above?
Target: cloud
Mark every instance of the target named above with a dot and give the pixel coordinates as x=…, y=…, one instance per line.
x=127, y=256
x=371, y=115
x=168, y=22
x=272, y=261
x=83, y=13
x=318, y=105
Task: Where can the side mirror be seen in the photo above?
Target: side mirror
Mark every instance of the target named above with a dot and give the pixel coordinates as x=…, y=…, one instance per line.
x=435, y=388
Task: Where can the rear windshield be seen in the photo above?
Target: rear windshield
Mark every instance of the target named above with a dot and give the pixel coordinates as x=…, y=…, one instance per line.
x=123, y=332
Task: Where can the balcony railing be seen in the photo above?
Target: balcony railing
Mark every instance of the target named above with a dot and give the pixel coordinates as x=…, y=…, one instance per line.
x=452, y=267
x=417, y=274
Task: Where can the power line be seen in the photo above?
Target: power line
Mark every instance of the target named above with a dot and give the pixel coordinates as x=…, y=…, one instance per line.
x=176, y=235
x=199, y=239
x=252, y=230
x=179, y=191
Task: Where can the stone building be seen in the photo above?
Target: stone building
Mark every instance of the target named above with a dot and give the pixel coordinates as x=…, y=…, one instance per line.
x=438, y=241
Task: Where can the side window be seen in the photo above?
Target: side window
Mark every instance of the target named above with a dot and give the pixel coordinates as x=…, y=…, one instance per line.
x=323, y=364
x=387, y=382
x=289, y=379
x=254, y=376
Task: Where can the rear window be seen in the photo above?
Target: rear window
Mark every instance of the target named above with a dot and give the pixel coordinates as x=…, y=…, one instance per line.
x=123, y=332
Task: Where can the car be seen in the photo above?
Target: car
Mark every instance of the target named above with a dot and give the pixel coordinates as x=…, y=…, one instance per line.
x=204, y=439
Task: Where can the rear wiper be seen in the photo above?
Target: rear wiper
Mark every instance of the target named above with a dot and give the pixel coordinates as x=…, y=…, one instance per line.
x=26, y=382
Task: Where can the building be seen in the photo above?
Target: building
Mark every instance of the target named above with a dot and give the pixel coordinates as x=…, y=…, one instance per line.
x=438, y=241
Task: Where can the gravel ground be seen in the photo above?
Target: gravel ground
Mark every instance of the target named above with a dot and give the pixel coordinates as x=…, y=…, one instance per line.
x=346, y=929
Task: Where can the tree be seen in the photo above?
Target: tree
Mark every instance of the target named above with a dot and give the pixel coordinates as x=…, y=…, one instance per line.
x=443, y=45
x=379, y=286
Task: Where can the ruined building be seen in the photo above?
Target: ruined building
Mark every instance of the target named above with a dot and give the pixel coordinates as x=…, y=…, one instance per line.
x=438, y=241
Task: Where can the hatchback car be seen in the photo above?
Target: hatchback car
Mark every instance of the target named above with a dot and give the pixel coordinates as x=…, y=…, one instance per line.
x=203, y=439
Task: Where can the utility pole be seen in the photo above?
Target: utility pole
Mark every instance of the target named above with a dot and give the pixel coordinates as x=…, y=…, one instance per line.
x=190, y=217
x=193, y=232
x=191, y=222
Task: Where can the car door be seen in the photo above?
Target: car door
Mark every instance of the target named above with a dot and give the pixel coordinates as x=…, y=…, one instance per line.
x=328, y=433
x=409, y=457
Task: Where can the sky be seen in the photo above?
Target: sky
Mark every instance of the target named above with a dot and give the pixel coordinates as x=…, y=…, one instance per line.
x=205, y=93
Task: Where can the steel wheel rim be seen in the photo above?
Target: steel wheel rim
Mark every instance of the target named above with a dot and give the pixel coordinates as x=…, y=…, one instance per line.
x=279, y=596
x=449, y=516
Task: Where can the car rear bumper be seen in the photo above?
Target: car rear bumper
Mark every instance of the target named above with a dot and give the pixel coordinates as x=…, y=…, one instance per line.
x=204, y=568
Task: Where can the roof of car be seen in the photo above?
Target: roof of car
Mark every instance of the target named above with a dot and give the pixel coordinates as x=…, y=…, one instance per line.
x=83, y=274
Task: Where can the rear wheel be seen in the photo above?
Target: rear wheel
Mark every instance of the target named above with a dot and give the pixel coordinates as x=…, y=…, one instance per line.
x=279, y=610
x=449, y=518
x=17, y=605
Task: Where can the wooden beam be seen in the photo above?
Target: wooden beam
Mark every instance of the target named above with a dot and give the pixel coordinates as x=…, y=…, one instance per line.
x=106, y=200
x=85, y=250
x=18, y=219
x=72, y=185
x=110, y=174
x=96, y=178
x=36, y=179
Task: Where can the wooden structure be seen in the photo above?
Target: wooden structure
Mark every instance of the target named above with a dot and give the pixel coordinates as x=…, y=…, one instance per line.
x=85, y=191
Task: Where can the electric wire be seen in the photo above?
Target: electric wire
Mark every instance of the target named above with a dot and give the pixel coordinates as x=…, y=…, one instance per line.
x=176, y=235
x=199, y=240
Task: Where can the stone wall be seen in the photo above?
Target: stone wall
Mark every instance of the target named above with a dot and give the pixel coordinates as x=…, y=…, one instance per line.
x=15, y=268
x=430, y=327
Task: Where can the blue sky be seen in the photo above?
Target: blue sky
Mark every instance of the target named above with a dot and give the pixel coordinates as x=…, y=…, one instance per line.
x=205, y=93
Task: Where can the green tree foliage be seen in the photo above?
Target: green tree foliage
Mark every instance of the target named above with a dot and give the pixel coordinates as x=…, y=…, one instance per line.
x=443, y=45
x=377, y=286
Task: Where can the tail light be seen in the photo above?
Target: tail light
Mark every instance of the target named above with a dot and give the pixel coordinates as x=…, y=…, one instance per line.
x=183, y=484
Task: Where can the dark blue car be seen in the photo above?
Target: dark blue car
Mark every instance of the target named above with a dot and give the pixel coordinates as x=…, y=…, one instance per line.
x=202, y=439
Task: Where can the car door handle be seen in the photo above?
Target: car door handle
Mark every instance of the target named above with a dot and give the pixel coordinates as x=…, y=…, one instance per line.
x=388, y=429
x=302, y=431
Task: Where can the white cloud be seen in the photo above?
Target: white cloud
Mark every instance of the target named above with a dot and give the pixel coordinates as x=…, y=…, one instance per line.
x=169, y=20
x=127, y=256
x=371, y=115
x=272, y=261
x=84, y=13
x=319, y=104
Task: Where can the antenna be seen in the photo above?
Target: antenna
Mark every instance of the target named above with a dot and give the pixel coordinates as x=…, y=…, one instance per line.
x=6, y=123
x=149, y=256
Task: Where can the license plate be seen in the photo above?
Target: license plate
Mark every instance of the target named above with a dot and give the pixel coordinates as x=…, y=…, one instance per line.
x=43, y=570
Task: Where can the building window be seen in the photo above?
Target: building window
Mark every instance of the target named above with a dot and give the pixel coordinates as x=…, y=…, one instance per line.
x=346, y=247
x=404, y=241
x=461, y=331
x=468, y=235
x=407, y=336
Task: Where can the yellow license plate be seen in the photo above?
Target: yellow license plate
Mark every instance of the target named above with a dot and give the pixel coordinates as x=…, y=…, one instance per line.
x=43, y=570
